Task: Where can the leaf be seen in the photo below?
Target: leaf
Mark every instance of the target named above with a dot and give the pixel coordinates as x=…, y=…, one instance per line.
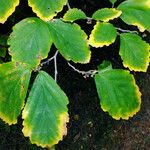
x=70, y=40
x=45, y=114
x=134, y=52
x=7, y=7
x=136, y=12
x=2, y=51
x=14, y=80
x=74, y=14
x=119, y=95
x=106, y=14
x=30, y=41
x=102, y=34
x=113, y=1
x=47, y=9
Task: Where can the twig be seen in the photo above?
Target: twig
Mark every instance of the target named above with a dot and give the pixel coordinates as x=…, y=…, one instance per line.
x=85, y=74
x=68, y=5
x=55, y=66
x=122, y=30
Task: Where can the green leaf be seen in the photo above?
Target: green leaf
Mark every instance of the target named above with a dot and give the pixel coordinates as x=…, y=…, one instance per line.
x=14, y=80
x=2, y=51
x=134, y=52
x=74, y=14
x=45, y=114
x=70, y=40
x=136, y=12
x=3, y=40
x=106, y=14
x=47, y=9
x=113, y=1
x=119, y=95
x=103, y=34
x=7, y=7
x=30, y=41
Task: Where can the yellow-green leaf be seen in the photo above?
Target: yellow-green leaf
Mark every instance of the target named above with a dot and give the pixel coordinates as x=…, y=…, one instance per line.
x=30, y=41
x=70, y=40
x=106, y=14
x=134, y=52
x=136, y=12
x=14, y=80
x=74, y=14
x=47, y=9
x=45, y=114
x=103, y=34
x=119, y=95
x=7, y=7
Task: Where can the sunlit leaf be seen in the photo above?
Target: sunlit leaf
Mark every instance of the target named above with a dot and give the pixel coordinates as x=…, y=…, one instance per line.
x=106, y=14
x=74, y=14
x=103, y=34
x=47, y=9
x=134, y=52
x=70, y=40
x=30, y=41
x=14, y=80
x=7, y=7
x=136, y=12
x=45, y=114
x=119, y=95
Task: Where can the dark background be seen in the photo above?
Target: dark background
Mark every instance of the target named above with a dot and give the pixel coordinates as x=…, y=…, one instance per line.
x=89, y=127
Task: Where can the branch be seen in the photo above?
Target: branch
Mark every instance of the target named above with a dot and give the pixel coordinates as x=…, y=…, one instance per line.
x=85, y=74
x=122, y=30
x=68, y=5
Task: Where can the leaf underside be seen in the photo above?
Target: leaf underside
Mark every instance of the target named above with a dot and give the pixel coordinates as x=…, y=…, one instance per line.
x=118, y=92
x=45, y=114
x=14, y=80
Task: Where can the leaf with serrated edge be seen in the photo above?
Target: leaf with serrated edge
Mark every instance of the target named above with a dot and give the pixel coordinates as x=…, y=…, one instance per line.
x=45, y=114
x=103, y=34
x=136, y=12
x=30, y=41
x=74, y=14
x=134, y=52
x=119, y=95
x=14, y=80
x=7, y=7
x=106, y=14
x=47, y=9
x=70, y=40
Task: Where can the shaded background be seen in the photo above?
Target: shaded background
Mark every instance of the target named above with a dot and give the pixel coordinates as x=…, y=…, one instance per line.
x=89, y=127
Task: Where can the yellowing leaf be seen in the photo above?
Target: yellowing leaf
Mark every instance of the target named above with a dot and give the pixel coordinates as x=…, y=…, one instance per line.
x=70, y=40
x=47, y=9
x=136, y=12
x=102, y=34
x=74, y=14
x=45, y=114
x=14, y=80
x=106, y=14
x=7, y=7
x=119, y=95
x=30, y=42
x=134, y=52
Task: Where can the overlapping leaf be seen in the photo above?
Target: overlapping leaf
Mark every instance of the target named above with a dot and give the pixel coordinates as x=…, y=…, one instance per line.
x=70, y=40
x=14, y=80
x=134, y=52
x=30, y=41
x=136, y=12
x=106, y=14
x=118, y=92
x=47, y=9
x=45, y=114
x=103, y=34
x=74, y=14
x=7, y=7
